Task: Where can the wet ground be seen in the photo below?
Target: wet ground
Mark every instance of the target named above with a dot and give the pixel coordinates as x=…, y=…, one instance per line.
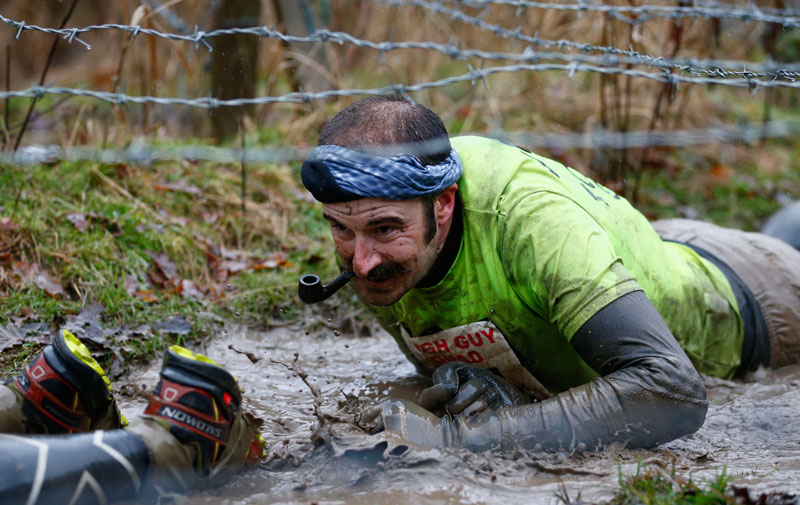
x=752, y=431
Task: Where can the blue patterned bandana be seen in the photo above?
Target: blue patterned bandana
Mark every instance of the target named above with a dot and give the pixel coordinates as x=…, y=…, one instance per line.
x=337, y=174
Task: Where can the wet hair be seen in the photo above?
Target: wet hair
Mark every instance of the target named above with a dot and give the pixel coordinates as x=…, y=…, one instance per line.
x=387, y=120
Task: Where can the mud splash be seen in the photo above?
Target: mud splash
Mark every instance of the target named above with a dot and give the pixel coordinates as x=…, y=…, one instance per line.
x=752, y=431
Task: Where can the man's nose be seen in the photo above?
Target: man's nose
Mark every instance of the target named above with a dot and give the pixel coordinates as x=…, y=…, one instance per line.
x=365, y=257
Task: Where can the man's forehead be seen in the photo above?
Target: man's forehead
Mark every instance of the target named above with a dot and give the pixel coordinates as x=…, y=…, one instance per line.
x=370, y=208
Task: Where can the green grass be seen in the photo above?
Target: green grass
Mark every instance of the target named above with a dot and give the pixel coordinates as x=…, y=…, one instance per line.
x=740, y=194
x=130, y=215
x=656, y=486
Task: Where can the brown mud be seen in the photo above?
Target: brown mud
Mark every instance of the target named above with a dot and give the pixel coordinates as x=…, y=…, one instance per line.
x=752, y=432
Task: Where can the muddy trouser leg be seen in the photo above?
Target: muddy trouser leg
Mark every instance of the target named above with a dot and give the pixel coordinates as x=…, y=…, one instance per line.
x=143, y=459
x=769, y=267
x=10, y=412
x=102, y=467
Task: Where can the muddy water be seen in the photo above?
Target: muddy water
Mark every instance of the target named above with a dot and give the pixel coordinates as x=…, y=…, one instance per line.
x=752, y=430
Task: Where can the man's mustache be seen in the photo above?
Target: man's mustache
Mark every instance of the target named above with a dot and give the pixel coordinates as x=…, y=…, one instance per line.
x=382, y=272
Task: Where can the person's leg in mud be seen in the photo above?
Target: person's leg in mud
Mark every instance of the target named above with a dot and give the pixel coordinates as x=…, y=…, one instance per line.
x=193, y=433
x=785, y=225
x=770, y=269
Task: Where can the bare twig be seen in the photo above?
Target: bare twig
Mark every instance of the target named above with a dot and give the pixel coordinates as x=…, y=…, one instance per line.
x=44, y=74
x=564, y=470
x=251, y=356
x=244, y=170
x=6, y=111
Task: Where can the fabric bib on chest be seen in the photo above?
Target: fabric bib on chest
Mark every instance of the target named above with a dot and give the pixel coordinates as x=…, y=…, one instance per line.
x=480, y=343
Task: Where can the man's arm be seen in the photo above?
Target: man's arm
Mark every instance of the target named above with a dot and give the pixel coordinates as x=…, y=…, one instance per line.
x=649, y=393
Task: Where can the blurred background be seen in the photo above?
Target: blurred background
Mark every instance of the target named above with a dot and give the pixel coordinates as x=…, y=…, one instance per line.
x=692, y=40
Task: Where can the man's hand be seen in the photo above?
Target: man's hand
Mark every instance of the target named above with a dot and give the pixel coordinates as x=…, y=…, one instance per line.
x=463, y=389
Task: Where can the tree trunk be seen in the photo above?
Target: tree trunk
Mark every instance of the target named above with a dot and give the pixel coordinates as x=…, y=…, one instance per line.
x=234, y=62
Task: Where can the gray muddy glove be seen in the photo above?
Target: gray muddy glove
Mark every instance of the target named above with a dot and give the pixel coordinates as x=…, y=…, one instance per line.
x=649, y=393
x=461, y=388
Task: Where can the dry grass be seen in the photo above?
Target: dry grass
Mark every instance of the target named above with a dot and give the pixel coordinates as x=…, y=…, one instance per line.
x=546, y=101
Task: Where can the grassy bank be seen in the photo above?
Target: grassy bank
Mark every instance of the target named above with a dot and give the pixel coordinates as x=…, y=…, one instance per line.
x=151, y=243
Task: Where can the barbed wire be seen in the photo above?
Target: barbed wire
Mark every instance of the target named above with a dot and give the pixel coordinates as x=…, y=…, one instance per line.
x=707, y=67
x=473, y=76
x=144, y=154
x=711, y=68
x=788, y=18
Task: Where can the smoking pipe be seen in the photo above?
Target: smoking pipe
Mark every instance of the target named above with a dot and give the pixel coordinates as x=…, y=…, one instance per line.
x=311, y=290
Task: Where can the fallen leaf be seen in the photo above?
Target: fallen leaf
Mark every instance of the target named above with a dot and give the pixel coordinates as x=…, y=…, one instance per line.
x=24, y=271
x=49, y=285
x=6, y=224
x=275, y=260
x=233, y=267
x=131, y=284
x=272, y=264
x=11, y=335
x=210, y=217
x=179, y=221
x=79, y=221
x=91, y=312
x=721, y=173
x=146, y=295
x=26, y=315
x=179, y=187
x=189, y=290
x=176, y=325
x=165, y=265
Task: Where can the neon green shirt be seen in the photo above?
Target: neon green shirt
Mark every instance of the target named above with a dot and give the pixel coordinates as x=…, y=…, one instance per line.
x=544, y=248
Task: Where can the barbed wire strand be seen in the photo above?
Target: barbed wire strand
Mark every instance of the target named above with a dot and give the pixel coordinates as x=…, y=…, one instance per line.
x=708, y=67
x=144, y=154
x=516, y=34
x=711, y=68
x=471, y=76
x=788, y=18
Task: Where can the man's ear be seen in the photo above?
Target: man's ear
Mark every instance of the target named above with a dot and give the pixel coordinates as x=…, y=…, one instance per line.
x=445, y=203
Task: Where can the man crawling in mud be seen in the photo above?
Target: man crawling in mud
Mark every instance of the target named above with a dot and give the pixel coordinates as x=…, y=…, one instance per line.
x=550, y=312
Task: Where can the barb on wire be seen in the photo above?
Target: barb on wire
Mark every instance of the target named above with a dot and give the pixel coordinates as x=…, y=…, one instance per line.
x=788, y=18
x=144, y=154
x=711, y=68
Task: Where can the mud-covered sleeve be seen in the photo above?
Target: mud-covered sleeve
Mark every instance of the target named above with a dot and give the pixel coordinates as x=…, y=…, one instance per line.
x=649, y=392
x=559, y=260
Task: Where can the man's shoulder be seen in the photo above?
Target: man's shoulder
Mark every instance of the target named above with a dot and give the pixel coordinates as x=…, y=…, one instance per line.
x=470, y=144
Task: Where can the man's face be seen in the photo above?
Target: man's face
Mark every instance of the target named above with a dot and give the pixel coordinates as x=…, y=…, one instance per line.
x=384, y=243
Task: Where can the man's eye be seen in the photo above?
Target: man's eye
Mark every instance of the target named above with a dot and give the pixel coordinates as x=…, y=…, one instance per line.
x=384, y=230
x=338, y=227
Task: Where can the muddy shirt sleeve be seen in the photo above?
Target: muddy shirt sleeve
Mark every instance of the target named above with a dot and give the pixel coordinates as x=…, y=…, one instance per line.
x=649, y=392
x=560, y=261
